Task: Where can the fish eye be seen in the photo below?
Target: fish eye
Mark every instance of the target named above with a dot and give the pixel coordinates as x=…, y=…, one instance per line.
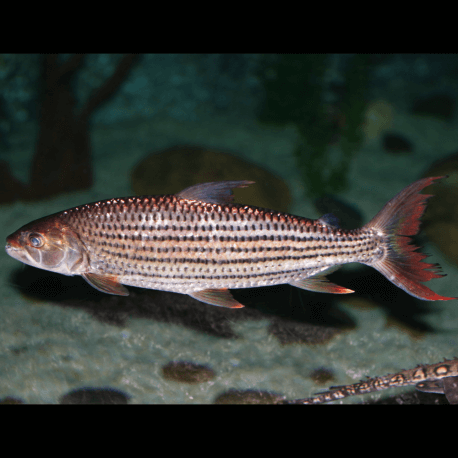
x=36, y=240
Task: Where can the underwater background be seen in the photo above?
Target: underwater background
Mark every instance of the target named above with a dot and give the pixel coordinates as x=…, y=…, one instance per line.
x=318, y=133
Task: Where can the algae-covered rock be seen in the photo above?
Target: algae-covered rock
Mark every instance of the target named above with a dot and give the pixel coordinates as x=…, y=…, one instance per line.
x=187, y=372
x=440, y=106
x=396, y=143
x=171, y=170
x=248, y=397
x=441, y=216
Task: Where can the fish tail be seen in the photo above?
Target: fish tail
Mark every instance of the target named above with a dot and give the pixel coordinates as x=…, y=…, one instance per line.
x=401, y=264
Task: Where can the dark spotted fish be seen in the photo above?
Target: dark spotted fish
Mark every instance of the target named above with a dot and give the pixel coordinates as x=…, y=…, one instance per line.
x=199, y=243
x=430, y=378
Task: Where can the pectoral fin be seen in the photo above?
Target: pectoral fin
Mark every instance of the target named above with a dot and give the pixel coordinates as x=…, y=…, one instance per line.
x=106, y=283
x=446, y=385
x=451, y=389
x=320, y=284
x=431, y=386
x=218, y=297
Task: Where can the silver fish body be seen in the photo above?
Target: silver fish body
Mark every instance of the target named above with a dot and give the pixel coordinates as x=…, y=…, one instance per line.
x=198, y=243
x=177, y=245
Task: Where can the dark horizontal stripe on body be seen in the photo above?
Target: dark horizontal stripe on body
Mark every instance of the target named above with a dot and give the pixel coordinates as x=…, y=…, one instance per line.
x=221, y=238
x=335, y=243
x=145, y=259
x=133, y=253
x=209, y=276
x=113, y=231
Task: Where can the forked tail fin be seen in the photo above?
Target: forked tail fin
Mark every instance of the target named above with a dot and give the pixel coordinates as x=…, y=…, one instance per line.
x=399, y=219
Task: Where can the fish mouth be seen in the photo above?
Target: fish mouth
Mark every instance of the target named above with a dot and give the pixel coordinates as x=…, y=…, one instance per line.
x=18, y=253
x=12, y=242
x=10, y=248
x=15, y=250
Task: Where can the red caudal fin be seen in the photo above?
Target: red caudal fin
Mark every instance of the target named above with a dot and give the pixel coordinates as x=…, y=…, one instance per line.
x=401, y=264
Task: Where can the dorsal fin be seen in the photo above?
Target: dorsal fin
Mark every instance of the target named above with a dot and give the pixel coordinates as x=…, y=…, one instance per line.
x=218, y=192
x=330, y=220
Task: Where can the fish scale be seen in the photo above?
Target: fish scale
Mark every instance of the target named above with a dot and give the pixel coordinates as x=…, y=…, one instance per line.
x=179, y=245
x=200, y=243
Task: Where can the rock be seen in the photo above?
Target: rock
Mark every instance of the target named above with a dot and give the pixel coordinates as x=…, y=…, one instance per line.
x=395, y=143
x=248, y=397
x=11, y=188
x=322, y=376
x=440, y=106
x=92, y=395
x=187, y=372
x=174, y=169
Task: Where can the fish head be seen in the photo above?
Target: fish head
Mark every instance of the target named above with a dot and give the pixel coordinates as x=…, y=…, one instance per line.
x=49, y=244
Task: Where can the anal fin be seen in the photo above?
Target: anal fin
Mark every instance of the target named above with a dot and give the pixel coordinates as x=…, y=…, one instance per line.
x=320, y=284
x=218, y=297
